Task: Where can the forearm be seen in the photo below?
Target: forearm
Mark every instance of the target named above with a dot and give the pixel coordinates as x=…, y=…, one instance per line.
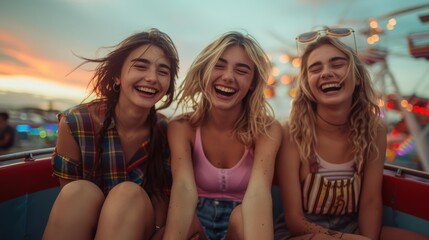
x=302, y=226
x=370, y=219
x=181, y=212
x=257, y=215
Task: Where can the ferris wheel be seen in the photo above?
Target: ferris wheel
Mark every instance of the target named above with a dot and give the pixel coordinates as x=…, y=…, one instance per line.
x=414, y=110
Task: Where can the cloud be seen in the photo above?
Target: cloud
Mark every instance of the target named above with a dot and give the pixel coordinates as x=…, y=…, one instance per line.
x=17, y=57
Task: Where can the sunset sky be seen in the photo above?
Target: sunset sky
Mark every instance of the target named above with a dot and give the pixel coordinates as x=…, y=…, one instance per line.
x=40, y=39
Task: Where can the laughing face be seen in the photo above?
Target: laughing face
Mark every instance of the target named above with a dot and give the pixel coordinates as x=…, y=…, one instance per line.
x=231, y=78
x=328, y=78
x=145, y=77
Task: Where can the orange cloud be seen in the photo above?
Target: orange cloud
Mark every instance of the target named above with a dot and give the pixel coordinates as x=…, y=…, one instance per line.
x=21, y=60
x=11, y=40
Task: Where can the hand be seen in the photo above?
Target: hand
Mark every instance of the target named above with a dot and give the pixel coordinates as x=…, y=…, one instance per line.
x=349, y=236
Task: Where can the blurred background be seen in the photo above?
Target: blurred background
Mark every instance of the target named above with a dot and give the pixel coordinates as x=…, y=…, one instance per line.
x=40, y=41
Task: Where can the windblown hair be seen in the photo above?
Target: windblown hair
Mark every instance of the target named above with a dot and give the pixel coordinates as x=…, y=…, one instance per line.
x=194, y=92
x=364, y=117
x=103, y=82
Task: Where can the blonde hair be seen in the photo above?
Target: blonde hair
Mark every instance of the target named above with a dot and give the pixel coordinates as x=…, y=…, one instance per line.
x=363, y=120
x=257, y=114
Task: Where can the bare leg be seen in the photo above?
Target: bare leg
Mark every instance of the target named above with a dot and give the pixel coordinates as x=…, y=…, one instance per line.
x=75, y=212
x=311, y=237
x=235, y=225
x=127, y=213
x=391, y=233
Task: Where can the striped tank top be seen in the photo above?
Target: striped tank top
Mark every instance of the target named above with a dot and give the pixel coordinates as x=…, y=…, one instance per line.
x=333, y=190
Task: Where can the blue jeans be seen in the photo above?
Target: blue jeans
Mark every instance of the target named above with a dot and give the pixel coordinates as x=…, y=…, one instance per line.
x=214, y=216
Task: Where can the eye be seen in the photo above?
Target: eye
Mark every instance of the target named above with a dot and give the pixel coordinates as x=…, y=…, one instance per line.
x=140, y=66
x=315, y=69
x=219, y=66
x=164, y=72
x=242, y=71
x=338, y=65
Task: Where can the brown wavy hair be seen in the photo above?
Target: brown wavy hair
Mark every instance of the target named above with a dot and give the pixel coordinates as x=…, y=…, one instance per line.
x=103, y=86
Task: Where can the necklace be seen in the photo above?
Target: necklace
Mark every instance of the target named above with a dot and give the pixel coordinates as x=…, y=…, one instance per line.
x=331, y=123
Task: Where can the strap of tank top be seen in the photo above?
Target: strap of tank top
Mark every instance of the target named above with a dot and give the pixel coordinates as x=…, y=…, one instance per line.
x=314, y=165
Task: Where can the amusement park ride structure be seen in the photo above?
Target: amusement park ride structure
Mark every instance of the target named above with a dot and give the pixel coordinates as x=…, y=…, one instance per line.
x=418, y=45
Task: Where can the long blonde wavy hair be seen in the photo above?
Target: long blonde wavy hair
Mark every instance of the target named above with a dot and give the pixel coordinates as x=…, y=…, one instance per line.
x=363, y=120
x=194, y=90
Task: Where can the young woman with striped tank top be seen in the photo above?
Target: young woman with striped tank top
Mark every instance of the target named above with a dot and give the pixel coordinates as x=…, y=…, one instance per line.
x=330, y=171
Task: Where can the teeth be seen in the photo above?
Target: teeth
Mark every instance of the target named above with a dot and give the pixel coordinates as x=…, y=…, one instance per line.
x=146, y=89
x=225, y=89
x=330, y=85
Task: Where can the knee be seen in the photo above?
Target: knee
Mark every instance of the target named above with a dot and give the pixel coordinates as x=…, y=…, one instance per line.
x=129, y=192
x=81, y=190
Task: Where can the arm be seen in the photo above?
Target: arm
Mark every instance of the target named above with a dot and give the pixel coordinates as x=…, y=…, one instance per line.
x=66, y=145
x=257, y=202
x=288, y=172
x=371, y=205
x=184, y=197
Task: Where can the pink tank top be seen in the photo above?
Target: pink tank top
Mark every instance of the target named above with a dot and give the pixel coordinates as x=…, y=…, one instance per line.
x=221, y=183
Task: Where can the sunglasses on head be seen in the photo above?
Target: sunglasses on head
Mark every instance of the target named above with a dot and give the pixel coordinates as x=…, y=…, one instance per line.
x=334, y=32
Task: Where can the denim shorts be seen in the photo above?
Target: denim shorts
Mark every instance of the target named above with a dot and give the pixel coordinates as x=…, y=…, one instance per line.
x=214, y=216
x=344, y=223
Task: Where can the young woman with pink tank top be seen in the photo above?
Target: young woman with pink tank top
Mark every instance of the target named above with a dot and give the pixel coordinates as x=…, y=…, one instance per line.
x=330, y=171
x=223, y=153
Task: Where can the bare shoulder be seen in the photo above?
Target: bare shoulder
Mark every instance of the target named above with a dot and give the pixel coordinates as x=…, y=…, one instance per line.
x=181, y=121
x=275, y=128
x=181, y=127
x=382, y=128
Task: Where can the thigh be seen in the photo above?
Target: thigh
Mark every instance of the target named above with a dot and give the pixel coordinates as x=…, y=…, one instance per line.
x=79, y=198
x=77, y=206
x=235, y=225
x=313, y=236
x=127, y=213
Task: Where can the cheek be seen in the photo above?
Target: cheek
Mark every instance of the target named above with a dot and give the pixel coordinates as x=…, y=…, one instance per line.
x=165, y=84
x=312, y=80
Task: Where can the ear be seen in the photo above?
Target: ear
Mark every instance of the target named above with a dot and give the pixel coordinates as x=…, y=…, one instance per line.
x=117, y=80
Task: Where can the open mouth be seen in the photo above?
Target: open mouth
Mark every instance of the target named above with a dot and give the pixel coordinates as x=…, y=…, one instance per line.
x=330, y=87
x=147, y=90
x=225, y=91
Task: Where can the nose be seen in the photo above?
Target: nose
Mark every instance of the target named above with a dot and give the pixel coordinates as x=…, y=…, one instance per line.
x=150, y=74
x=326, y=73
x=228, y=74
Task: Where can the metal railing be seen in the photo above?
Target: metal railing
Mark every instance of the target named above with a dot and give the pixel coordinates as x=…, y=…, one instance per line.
x=30, y=156
x=402, y=171
x=26, y=155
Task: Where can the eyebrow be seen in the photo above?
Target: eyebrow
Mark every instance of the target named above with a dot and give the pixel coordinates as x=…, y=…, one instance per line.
x=144, y=60
x=238, y=64
x=330, y=61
